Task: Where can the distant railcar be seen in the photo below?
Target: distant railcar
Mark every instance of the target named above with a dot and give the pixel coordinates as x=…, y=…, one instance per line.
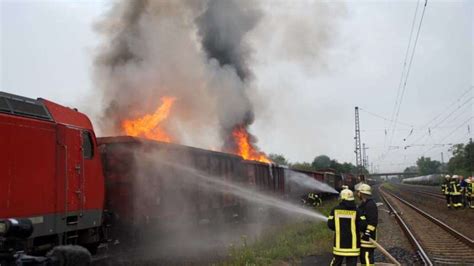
x=349, y=180
x=430, y=180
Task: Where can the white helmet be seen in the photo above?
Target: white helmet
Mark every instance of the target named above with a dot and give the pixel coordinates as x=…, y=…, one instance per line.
x=447, y=176
x=365, y=189
x=455, y=176
x=346, y=194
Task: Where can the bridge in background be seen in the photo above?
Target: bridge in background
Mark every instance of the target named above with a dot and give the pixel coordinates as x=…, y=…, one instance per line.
x=396, y=174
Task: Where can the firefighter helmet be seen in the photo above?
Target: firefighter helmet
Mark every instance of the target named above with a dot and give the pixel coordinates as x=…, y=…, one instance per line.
x=365, y=189
x=455, y=176
x=447, y=176
x=346, y=194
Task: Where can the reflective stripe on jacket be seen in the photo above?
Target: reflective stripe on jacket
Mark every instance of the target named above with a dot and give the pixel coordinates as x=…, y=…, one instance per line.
x=346, y=221
x=454, y=188
x=445, y=187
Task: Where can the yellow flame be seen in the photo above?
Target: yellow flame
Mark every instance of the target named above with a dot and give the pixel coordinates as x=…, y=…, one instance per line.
x=148, y=126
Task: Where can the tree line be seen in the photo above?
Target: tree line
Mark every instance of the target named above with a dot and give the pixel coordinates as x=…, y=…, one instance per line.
x=461, y=163
x=320, y=162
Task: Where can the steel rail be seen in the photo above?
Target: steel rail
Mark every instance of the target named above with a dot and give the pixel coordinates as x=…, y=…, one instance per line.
x=411, y=237
x=449, y=229
x=434, y=195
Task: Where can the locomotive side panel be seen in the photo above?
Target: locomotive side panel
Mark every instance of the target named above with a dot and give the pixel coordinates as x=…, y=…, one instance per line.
x=28, y=169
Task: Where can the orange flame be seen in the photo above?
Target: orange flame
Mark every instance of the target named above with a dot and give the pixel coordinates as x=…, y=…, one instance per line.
x=245, y=148
x=148, y=125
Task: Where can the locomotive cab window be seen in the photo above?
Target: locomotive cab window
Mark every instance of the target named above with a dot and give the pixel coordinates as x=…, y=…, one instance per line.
x=87, y=145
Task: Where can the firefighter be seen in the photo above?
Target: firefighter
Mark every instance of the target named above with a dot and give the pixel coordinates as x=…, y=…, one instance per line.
x=346, y=222
x=445, y=190
x=469, y=192
x=367, y=209
x=455, y=192
x=314, y=199
x=463, y=185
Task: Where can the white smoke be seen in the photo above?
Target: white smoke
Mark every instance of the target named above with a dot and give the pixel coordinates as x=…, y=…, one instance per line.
x=301, y=182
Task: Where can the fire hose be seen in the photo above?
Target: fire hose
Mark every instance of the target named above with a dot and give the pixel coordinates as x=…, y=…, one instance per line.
x=385, y=252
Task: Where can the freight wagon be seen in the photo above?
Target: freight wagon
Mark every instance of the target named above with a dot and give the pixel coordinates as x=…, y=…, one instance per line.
x=152, y=185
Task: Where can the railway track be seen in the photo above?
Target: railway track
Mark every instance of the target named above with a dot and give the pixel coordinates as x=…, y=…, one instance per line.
x=424, y=192
x=436, y=243
x=431, y=194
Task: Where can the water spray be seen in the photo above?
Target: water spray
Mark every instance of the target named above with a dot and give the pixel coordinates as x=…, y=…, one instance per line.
x=219, y=185
x=303, y=181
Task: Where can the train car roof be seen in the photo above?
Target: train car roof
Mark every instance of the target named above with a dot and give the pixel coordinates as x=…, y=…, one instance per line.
x=23, y=106
x=43, y=110
x=130, y=139
x=265, y=164
x=308, y=171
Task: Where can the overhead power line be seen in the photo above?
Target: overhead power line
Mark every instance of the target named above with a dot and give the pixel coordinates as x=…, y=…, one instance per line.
x=404, y=63
x=452, y=132
x=445, y=118
x=384, y=118
x=408, y=71
x=438, y=119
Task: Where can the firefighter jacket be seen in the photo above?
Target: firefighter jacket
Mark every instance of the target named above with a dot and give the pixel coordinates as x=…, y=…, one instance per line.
x=454, y=188
x=314, y=199
x=469, y=188
x=445, y=187
x=368, y=209
x=347, y=222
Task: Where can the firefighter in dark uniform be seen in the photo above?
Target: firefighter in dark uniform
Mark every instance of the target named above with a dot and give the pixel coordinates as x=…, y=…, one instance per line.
x=346, y=222
x=368, y=209
x=469, y=192
x=455, y=192
x=314, y=199
x=445, y=190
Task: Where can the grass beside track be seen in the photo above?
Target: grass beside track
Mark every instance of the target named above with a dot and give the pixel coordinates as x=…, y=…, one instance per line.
x=285, y=244
x=389, y=186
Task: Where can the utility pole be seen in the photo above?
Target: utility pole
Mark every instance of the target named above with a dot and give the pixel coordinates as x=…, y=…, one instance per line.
x=358, y=151
x=364, y=156
x=471, y=159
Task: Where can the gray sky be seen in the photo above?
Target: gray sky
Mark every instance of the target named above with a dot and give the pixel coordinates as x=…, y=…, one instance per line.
x=306, y=106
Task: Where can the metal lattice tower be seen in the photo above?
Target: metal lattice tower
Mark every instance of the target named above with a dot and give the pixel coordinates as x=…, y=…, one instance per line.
x=358, y=150
x=364, y=156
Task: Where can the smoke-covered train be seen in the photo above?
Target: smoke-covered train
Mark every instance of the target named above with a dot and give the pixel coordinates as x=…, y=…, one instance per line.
x=59, y=184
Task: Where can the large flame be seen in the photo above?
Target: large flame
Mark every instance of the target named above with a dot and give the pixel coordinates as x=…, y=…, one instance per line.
x=245, y=148
x=148, y=126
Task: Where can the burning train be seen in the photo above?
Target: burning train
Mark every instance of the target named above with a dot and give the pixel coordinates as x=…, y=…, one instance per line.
x=60, y=184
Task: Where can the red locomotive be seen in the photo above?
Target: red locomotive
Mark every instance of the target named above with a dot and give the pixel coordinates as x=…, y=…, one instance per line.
x=50, y=172
x=69, y=187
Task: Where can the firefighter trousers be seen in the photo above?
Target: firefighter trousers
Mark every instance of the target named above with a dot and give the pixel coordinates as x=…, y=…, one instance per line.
x=367, y=256
x=448, y=200
x=470, y=201
x=456, y=201
x=337, y=260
